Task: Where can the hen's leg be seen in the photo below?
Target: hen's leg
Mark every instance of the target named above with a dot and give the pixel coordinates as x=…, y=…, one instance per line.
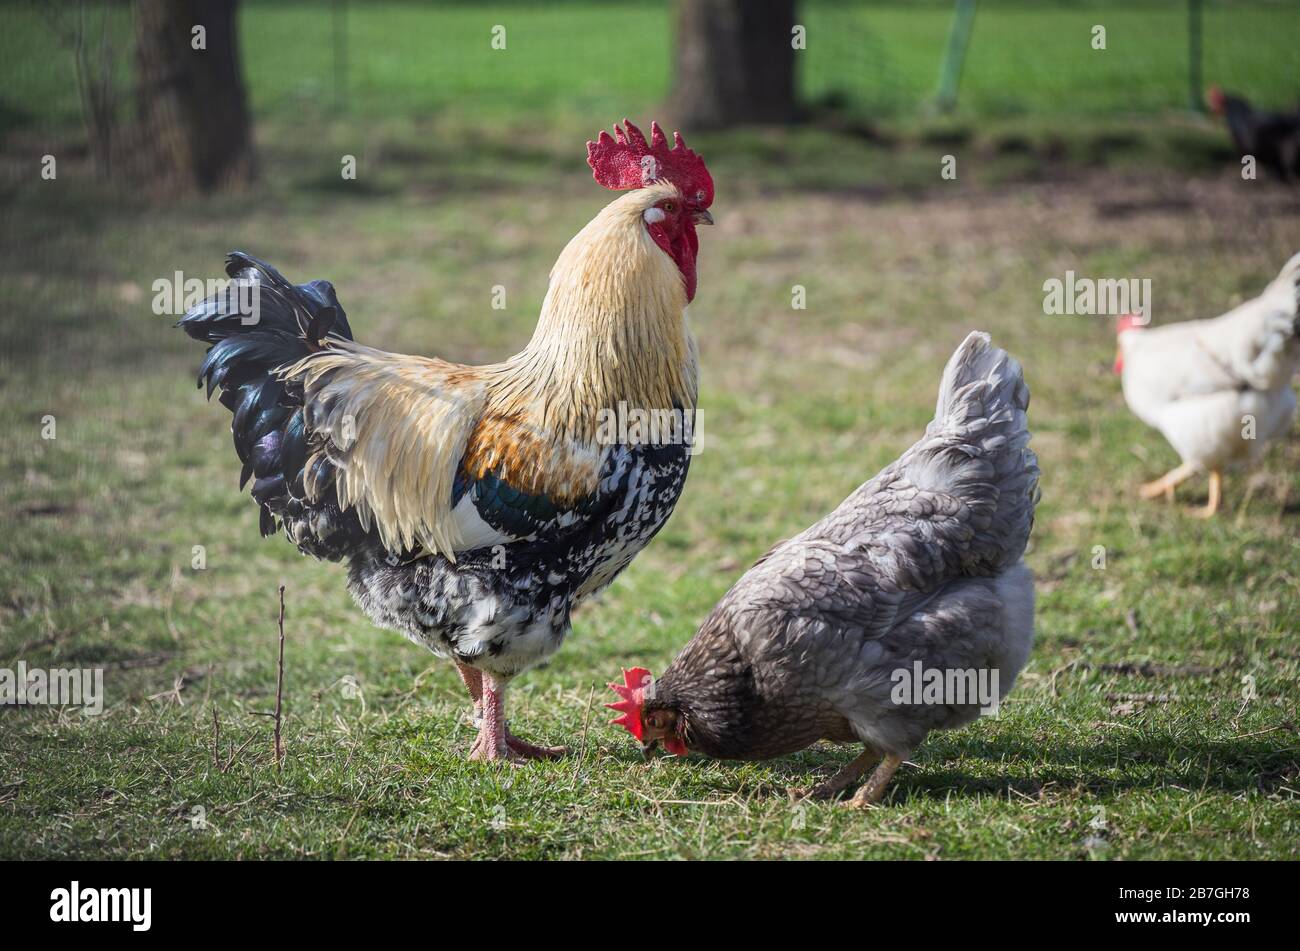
x=474, y=684
x=843, y=779
x=873, y=790
x=1216, y=495
x=1166, y=483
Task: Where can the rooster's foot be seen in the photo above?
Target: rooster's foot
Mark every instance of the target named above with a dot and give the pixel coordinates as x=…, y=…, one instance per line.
x=532, y=750
x=494, y=742
x=486, y=750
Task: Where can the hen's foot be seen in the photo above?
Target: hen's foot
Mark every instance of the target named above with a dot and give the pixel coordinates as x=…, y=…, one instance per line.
x=873, y=790
x=1153, y=490
x=1216, y=497
x=840, y=781
x=1166, y=484
x=819, y=793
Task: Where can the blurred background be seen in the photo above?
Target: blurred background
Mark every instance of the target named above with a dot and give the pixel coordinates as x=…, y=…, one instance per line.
x=1080, y=140
x=105, y=81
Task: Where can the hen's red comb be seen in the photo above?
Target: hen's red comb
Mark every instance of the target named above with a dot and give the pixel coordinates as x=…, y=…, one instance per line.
x=625, y=160
x=1131, y=322
x=632, y=690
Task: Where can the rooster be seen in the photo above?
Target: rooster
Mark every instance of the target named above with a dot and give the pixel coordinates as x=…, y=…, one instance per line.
x=1220, y=389
x=1273, y=138
x=921, y=565
x=477, y=506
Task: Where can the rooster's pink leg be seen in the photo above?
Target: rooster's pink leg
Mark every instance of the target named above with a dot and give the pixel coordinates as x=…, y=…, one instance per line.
x=476, y=684
x=491, y=743
x=473, y=680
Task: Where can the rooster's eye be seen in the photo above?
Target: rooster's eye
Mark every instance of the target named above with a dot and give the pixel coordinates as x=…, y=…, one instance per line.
x=669, y=207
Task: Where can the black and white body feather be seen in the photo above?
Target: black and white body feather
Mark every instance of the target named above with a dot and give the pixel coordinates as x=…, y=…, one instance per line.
x=501, y=599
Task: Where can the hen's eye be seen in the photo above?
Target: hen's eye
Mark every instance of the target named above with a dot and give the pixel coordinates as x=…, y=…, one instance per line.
x=669, y=206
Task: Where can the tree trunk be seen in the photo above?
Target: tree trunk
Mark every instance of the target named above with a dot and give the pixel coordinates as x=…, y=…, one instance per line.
x=734, y=63
x=194, y=123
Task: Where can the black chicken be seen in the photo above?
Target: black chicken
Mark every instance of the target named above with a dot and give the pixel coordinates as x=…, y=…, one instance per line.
x=1273, y=138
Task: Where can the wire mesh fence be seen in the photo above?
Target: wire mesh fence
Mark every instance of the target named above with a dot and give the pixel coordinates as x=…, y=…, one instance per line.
x=1049, y=58
x=881, y=58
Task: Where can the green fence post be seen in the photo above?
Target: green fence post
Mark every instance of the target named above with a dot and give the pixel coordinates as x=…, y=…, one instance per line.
x=339, y=29
x=963, y=22
x=1195, y=100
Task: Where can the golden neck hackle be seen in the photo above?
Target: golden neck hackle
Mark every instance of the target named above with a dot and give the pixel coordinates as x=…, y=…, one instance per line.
x=612, y=330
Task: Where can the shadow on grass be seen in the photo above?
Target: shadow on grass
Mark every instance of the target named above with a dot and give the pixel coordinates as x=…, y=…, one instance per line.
x=1152, y=761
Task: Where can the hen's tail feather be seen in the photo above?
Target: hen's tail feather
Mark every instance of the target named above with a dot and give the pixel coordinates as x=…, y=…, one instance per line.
x=1288, y=284
x=1268, y=343
x=257, y=325
x=978, y=361
x=982, y=424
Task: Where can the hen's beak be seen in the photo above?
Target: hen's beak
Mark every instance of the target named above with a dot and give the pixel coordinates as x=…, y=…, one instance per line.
x=702, y=217
x=648, y=749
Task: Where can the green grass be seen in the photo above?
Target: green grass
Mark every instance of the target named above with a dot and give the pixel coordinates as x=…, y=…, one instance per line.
x=798, y=408
x=610, y=58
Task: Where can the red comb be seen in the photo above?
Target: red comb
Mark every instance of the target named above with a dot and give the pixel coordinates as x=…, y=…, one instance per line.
x=626, y=160
x=1131, y=322
x=632, y=690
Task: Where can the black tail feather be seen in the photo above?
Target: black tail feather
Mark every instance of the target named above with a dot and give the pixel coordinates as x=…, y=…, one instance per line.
x=259, y=298
x=258, y=325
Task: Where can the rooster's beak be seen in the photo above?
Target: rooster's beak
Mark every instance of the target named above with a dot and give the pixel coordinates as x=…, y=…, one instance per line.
x=702, y=217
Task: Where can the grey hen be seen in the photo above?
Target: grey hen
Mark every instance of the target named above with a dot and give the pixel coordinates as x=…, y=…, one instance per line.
x=922, y=565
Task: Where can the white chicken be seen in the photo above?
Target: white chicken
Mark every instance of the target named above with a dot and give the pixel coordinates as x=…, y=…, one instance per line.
x=1220, y=389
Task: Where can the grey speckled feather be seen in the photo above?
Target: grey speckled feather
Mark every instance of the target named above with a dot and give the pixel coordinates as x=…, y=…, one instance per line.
x=921, y=563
